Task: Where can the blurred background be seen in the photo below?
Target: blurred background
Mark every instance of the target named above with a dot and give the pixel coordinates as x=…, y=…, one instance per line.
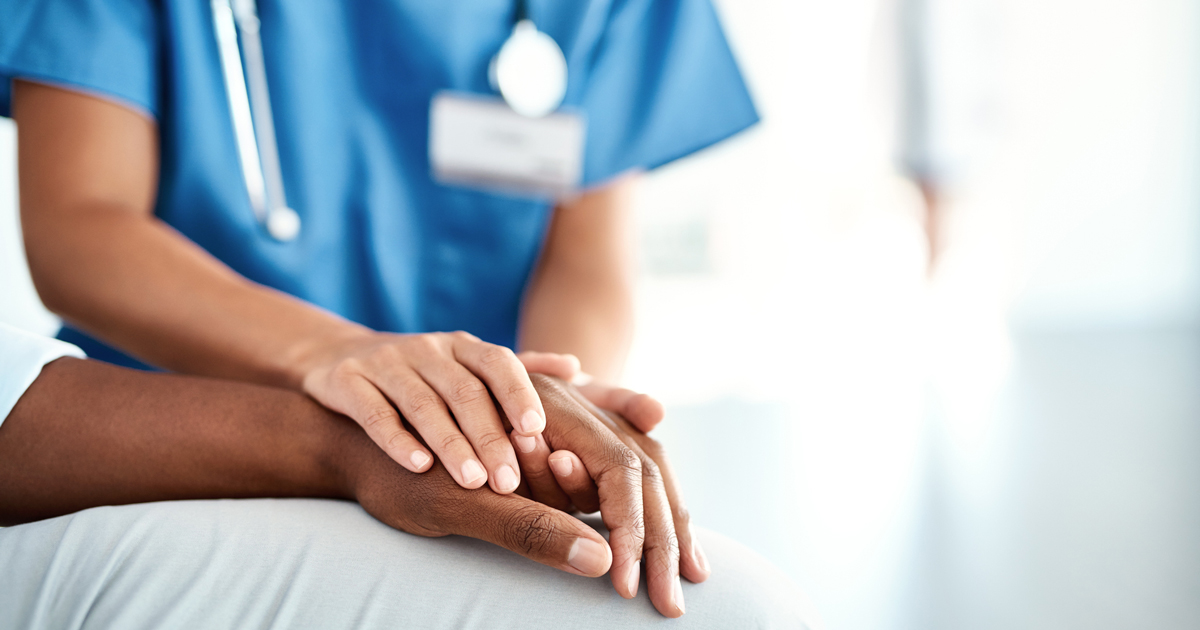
x=928, y=335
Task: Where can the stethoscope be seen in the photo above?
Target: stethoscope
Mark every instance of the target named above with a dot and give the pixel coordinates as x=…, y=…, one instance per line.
x=530, y=72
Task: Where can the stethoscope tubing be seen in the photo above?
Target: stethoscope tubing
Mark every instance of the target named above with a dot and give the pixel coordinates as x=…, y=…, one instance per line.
x=253, y=121
x=238, y=41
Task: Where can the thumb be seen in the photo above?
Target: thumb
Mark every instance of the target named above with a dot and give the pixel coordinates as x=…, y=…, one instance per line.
x=564, y=366
x=538, y=532
x=641, y=410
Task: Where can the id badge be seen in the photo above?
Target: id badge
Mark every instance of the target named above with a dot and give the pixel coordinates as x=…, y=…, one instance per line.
x=480, y=142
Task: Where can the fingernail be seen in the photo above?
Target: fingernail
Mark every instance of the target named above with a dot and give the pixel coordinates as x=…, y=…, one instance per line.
x=679, y=596
x=582, y=378
x=472, y=472
x=635, y=572
x=506, y=479
x=419, y=459
x=698, y=554
x=525, y=443
x=562, y=466
x=532, y=422
x=588, y=557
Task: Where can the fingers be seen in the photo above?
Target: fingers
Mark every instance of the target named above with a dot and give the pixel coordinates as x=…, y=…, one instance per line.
x=507, y=379
x=476, y=414
x=432, y=504
x=661, y=550
x=668, y=525
x=616, y=470
x=427, y=413
x=564, y=366
x=692, y=561
x=443, y=384
x=533, y=454
x=572, y=478
x=360, y=400
x=641, y=410
x=693, y=564
x=535, y=531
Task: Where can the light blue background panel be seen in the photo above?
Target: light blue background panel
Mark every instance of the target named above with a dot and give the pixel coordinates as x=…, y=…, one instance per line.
x=351, y=83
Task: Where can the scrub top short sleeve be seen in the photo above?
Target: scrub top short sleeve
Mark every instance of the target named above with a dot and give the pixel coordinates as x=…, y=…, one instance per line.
x=106, y=47
x=657, y=82
x=22, y=356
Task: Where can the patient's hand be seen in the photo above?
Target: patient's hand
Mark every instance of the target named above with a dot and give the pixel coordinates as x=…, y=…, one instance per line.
x=618, y=470
x=602, y=462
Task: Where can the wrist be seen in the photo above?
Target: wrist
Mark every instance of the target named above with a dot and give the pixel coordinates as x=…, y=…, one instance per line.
x=342, y=455
x=314, y=350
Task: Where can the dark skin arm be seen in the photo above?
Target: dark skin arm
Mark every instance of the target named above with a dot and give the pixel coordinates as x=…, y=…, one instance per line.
x=87, y=434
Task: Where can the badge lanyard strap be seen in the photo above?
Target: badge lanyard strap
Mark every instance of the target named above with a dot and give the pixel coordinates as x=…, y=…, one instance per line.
x=250, y=108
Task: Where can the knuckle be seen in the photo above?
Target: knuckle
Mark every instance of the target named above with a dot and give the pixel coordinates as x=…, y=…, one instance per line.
x=681, y=516
x=396, y=440
x=387, y=353
x=468, y=391
x=665, y=546
x=379, y=418
x=452, y=441
x=346, y=369
x=428, y=344
x=423, y=403
x=492, y=441
x=651, y=473
x=531, y=530
x=634, y=531
x=496, y=355
x=462, y=335
x=625, y=459
x=516, y=390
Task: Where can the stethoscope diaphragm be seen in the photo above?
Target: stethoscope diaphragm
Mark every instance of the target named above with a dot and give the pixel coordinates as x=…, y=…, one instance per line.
x=530, y=71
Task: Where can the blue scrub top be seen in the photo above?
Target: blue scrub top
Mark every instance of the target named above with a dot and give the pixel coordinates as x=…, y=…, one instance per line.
x=351, y=83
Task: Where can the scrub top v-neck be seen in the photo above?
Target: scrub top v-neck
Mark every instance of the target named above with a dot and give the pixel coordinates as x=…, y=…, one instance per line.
x=351, y=83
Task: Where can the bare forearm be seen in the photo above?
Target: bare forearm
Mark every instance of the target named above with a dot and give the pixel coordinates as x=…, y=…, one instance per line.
x=580, y=300
x=101, y=260
x=594, y=321
x=88, y=434
x=134, y=282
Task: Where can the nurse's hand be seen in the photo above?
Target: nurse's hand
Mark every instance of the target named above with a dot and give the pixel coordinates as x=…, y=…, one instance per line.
x=443, y=384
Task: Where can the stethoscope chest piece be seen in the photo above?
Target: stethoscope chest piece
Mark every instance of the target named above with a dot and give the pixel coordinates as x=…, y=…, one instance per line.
x=530, y=71
x=283, y=224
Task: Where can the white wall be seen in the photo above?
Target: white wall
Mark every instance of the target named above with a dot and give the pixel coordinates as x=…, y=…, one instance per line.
x=1101, y=160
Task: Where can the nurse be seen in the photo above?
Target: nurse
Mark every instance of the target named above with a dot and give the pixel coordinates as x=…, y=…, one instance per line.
x=398, y=297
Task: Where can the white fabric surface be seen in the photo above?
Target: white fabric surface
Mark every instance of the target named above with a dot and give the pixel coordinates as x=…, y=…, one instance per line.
x=310, y=563
x=22, y=357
